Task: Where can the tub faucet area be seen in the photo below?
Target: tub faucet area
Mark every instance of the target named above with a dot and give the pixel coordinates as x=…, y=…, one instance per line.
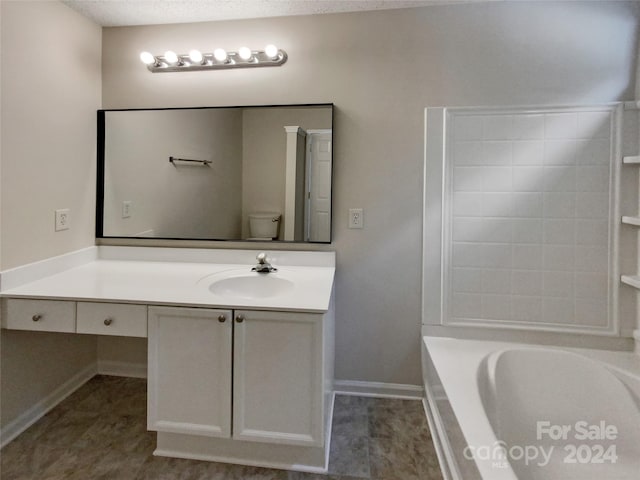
x=263, y=265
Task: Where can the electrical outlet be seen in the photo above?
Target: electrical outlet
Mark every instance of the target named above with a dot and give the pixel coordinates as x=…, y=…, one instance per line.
x=63, y=219
x=356, y=218
x=127, y=208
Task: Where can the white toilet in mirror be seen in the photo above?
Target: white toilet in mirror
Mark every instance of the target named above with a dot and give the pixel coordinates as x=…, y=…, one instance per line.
x=264, y=225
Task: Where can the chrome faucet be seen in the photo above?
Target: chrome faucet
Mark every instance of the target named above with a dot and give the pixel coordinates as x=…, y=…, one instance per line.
x=263, y=265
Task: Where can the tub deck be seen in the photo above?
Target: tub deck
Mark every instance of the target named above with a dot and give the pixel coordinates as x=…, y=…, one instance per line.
x=479, y=393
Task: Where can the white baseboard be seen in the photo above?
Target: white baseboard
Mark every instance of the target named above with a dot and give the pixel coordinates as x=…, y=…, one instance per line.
x=122, y=369
x=40, y=409
x=37, y=411
x=379, y=389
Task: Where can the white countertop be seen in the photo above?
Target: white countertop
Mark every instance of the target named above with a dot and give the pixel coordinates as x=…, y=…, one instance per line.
x=176, y=283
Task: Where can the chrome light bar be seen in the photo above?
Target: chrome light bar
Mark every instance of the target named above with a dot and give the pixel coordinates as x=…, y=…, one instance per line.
x=218, y=60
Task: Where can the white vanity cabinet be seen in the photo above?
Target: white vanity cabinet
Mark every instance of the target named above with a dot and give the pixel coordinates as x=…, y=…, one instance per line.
x=189, y=384
x=238, y=374
x=67, y=316
x=278, y=377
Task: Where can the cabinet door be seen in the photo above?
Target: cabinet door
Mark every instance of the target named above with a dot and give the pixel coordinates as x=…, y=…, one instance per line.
x=277, y=378
x=189, y=386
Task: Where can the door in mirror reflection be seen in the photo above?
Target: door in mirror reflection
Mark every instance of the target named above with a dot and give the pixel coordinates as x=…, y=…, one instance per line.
x=318, y=196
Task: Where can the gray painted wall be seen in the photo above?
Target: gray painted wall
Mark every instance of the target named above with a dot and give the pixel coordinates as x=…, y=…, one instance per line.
x=51, y=84
x=50, y=92
x=482, y=54
x=381, y=69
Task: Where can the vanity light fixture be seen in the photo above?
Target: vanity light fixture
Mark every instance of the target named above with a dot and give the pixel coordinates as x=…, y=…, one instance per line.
x=196, y=57
x=148, y=59
x=271, y=56
x=271, y=51
x=245, y=53
x=220, y=54
x=172, y=58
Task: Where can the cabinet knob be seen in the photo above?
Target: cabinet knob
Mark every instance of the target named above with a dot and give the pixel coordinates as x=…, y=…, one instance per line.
x=240, y=318
x=108, y=321
x=222, y=318
x=36, y=318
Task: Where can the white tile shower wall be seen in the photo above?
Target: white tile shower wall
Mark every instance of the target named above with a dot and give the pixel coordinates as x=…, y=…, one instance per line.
x=527, y=217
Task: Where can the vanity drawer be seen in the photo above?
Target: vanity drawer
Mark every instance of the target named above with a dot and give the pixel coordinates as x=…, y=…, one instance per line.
x=112, y=319
x=39, y=315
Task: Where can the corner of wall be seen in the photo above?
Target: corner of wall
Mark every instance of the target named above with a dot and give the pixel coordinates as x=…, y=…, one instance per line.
x=48, y=146
x=47, y=133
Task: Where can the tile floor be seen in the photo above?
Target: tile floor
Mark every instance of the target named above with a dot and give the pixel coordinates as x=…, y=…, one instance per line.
x=99, y=432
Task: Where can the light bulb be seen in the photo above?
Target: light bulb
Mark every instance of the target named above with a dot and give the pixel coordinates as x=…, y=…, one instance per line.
x=220, y=54
x=244, y=53
x=170, y=56
x=271, y=51
x=147, y=58
x=195, y=56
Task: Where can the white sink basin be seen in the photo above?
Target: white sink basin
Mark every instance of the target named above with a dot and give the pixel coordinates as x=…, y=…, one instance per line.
x=251, y=285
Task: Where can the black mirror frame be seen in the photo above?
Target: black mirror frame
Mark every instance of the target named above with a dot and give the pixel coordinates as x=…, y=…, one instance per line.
x=100, y=173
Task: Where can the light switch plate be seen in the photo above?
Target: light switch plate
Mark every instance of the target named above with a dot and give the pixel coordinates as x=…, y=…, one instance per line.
x=356, y=218
x=127, y=207
x=63, y=219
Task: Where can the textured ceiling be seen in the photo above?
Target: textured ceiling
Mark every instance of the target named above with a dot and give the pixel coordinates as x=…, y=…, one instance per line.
x=111, y=13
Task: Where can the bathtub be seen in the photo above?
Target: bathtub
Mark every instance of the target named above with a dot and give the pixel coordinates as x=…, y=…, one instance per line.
x=507, y=411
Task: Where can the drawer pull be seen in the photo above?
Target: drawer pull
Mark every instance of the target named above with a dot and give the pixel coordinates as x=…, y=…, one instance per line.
x=108, y=321
x=240, y=318
x=222, y=318
x=36, y=318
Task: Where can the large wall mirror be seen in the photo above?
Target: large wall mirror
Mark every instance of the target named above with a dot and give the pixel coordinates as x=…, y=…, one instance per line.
x=216, y=173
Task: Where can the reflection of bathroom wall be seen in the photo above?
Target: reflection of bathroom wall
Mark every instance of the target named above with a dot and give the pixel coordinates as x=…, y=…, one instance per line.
x=173, y=200
x=264, y=154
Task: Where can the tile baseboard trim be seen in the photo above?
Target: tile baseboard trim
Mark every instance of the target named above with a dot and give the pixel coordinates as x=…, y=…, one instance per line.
x=40, y=409
x=378, y=389
x=329, y=428
x=122, y=369
x=438, y=443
